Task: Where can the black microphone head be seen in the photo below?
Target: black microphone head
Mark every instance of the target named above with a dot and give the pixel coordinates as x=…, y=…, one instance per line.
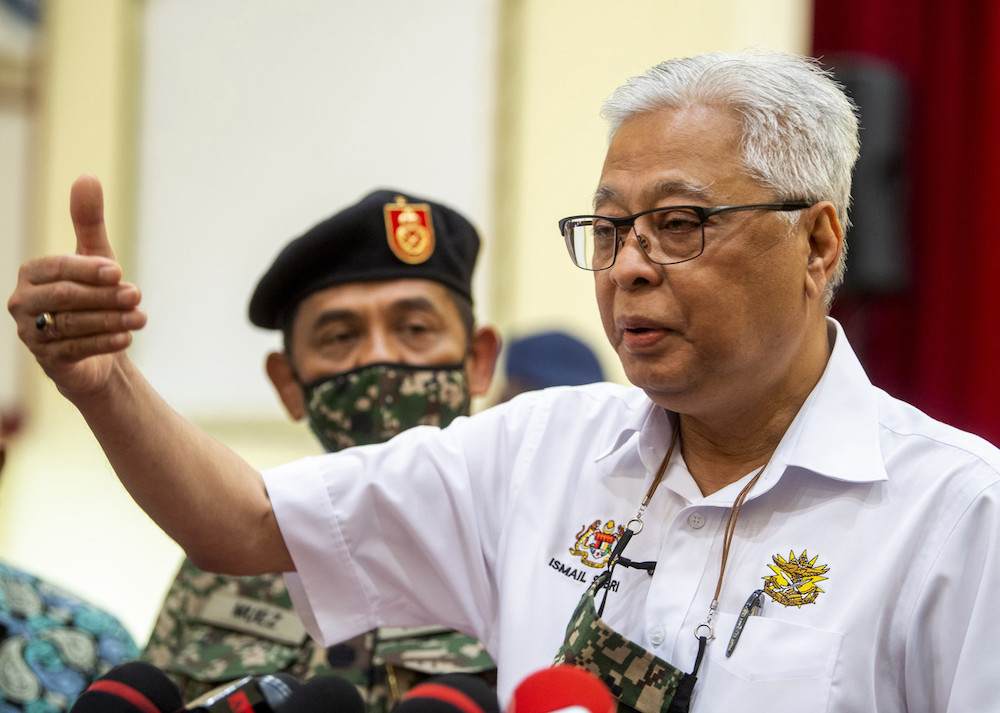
x=450, y=693
x=325, y=694
x=133, y=687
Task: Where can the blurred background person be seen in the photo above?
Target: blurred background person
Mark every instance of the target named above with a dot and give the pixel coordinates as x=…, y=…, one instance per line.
x=53, y=644
x=551, y=358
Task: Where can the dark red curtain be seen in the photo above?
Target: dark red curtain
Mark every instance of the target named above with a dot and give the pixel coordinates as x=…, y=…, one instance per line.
x=935, y=342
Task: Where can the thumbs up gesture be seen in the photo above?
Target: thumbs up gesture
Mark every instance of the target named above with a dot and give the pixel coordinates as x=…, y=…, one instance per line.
x=73, y=311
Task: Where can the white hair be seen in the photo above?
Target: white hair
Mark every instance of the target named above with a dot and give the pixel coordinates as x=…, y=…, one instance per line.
x=799, y=128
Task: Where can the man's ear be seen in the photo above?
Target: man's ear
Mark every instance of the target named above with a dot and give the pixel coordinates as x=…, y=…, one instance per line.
x=482, y=359
x=826, y=241
x=281, y=374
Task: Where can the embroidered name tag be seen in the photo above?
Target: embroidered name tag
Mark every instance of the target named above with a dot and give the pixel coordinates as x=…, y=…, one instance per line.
x=250, y=616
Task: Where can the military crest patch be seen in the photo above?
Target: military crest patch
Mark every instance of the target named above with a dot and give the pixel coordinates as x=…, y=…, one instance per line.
x=794, y=582
x=409, y=230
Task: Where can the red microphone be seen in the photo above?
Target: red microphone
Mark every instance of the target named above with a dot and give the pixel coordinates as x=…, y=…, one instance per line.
x=559, y=687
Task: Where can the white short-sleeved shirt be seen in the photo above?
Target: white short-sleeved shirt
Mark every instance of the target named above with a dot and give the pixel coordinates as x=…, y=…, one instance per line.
x=874, y=529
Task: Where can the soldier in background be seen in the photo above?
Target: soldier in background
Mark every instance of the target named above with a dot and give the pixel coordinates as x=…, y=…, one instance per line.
x=375, y=307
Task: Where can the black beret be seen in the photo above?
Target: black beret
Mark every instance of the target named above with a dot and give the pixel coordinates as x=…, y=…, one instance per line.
x=388, y=235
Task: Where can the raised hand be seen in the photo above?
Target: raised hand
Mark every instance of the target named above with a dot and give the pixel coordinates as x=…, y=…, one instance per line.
x=73, y=311
x=76, y=316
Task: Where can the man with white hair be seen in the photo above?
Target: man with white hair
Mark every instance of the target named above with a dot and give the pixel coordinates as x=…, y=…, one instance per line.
x=753, y=526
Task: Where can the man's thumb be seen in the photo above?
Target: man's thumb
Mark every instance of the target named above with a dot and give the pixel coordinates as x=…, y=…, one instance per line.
x=86, y=208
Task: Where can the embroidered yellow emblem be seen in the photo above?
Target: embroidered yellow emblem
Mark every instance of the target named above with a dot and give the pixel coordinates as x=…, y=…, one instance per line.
x=794, y=580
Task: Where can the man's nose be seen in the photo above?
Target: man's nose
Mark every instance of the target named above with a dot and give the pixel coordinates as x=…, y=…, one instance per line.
x=379, y=347
x=632, y=265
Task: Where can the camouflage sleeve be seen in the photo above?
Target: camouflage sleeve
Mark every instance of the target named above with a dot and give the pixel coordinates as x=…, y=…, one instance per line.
x=214, y=629
x=166, y=630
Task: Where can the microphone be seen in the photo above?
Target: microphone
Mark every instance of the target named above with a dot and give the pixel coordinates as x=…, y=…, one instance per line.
x=325, y=694
x=132, y=687
x=269, y=693
x=450, y=693
x=560, y=687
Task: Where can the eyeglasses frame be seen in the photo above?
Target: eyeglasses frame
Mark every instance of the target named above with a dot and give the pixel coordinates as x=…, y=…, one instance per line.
x=703, y=213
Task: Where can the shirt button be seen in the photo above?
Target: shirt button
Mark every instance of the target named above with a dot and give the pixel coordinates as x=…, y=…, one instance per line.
x=656, y=635
x=696, y=520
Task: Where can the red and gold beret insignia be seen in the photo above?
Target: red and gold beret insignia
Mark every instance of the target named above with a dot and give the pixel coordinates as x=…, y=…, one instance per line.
x=409, y=230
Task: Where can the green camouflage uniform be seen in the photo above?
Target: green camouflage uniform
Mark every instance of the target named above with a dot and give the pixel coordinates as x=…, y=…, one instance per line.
x=196, y=642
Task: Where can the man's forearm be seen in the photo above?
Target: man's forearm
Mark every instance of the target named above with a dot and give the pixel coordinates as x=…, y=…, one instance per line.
x=201, y=493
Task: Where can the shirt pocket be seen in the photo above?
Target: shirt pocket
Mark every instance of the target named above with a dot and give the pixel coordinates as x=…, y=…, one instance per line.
x=787, y=667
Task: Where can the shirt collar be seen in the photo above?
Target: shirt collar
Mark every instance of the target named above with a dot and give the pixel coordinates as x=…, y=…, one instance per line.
x=834, y=434
x=649, y=427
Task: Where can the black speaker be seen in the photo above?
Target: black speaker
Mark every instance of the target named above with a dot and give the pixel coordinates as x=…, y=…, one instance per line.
x=878, y=255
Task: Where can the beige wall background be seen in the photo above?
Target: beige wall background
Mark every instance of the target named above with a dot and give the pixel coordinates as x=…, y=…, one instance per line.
x=551, y=63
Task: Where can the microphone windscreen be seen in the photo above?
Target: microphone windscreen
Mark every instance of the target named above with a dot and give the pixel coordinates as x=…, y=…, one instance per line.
x=324, y=694
x=450, y=693
x=133, y=687
x=277, y=689
x=559, y=687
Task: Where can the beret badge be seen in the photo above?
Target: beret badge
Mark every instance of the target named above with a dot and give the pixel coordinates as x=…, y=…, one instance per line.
x=409, y=230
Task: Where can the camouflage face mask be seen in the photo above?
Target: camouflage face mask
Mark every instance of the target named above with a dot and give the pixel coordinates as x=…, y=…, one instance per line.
x=375, y=402
x=640, y=681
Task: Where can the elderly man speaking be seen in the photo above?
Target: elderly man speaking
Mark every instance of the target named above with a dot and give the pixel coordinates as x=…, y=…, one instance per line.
x=752, y=526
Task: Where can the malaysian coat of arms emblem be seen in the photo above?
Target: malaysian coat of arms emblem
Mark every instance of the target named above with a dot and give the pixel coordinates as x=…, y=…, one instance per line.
x=595, y=542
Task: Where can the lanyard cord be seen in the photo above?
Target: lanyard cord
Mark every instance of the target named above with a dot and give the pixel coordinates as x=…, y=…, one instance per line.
x=634, y=527
x=703, y=632
x=727, y=541
x=656, y=481
x=734, y=513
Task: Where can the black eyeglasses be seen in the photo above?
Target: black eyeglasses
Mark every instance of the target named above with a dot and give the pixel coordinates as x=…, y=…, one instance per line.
x=667, y=235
